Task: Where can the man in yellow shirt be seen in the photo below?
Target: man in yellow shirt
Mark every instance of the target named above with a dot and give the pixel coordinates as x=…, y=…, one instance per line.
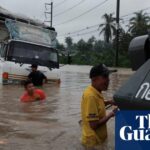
x=93, y=113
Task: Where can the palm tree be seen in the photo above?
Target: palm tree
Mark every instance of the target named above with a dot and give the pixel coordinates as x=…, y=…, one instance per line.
x=69, y=43
x=108, y=27
x=139, y=23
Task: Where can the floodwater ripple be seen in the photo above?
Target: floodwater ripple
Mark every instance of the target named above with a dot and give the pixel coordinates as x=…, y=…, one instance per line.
x=52, y=124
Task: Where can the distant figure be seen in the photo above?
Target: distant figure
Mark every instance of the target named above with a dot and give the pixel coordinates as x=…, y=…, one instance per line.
x=31, y=94
x=93, y=112
x=37, y=77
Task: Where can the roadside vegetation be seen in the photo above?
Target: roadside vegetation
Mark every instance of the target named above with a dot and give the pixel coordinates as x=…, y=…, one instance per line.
x=95, y=51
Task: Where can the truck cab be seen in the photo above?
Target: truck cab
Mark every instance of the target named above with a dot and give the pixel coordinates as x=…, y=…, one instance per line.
x=23, y=42
x=17, y=56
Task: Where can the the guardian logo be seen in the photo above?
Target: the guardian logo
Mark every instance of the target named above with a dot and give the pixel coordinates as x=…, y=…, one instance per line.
x=128, y=133
x=132, y=130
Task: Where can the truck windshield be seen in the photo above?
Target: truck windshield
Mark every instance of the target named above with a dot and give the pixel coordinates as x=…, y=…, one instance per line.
x=30, y=53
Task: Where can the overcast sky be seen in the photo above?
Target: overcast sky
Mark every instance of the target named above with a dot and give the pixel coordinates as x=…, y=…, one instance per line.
x=35, y=9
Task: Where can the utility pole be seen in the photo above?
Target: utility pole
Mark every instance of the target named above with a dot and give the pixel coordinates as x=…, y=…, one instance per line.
x=49, y=13
x=117, y=34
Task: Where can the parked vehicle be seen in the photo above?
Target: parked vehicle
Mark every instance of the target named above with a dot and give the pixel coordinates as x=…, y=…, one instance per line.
x=24, y=42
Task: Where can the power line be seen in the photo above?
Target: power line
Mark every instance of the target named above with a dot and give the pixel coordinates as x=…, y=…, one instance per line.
x=93, y=8
x=58, y=14
x=134, y=12
x=93, y=26
x=127, y=19
x=93, y=31
x=58, y=4
x=86, y=33
x=87, y=28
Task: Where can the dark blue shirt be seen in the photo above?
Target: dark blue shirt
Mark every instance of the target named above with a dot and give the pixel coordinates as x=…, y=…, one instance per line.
x=37, y=78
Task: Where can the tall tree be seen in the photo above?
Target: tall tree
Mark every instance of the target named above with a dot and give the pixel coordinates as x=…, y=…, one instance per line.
x=59, y=46
x=82, y=46
x=68, y=41
x=139, y=24
x=90, y=43
x=108, y=27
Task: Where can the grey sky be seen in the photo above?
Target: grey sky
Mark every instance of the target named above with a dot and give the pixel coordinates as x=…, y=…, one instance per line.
x=35, y=9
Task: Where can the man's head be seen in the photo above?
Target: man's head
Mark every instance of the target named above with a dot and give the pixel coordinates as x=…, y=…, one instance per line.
x=100, y=77
x=34, y=67
x=29, y=87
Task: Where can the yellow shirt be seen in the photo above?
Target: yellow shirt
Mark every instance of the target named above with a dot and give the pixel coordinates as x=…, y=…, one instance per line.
x=92, y=109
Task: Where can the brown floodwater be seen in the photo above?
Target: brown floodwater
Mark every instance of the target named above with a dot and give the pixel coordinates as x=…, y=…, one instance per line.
x=53, y=124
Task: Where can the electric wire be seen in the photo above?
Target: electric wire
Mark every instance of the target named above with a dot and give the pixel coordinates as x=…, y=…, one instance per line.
x=74, y=6
x=86, y=12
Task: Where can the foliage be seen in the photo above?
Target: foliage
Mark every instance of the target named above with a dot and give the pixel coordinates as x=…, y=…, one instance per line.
x=108, y=27
x=139, y=24
x=95, y=51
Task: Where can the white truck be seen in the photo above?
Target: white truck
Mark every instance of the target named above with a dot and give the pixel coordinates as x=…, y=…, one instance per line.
x=24, y=42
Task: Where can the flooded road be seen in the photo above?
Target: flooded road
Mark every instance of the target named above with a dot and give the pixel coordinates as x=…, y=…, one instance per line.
x=53, y=124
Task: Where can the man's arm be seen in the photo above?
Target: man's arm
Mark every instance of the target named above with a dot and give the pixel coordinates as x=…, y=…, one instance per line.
x=109, y=102
x=96, y=124
x=42, y=94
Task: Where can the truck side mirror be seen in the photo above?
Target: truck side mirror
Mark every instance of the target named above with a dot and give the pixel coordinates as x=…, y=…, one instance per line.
x=139, y=51
x=135, y=93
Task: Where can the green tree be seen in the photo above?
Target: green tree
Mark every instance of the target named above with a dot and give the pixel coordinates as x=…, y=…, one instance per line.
x=60, y=47
x=139, y=24
x=90, y=43
x=82, y=46
x=108, y=28
x=69, y=42
x=62, y=52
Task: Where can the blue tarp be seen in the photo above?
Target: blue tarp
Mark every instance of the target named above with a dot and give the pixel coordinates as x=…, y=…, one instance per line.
x=31, y=33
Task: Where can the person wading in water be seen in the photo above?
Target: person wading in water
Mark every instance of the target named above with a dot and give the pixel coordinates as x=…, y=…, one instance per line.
x=31, y=93
x=93, y=112
x=36, y=76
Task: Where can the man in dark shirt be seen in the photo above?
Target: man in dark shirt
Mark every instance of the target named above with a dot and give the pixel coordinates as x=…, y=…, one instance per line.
x=37, y=77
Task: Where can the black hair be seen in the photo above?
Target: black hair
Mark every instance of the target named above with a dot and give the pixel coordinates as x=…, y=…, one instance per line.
x=34, y=66
x=27, y=82
x=99, y=70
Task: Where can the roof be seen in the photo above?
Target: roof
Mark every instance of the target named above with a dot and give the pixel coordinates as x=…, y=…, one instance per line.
x=7, y=14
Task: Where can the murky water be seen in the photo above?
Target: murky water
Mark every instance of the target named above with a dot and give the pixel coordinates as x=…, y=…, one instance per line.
x=53, y=124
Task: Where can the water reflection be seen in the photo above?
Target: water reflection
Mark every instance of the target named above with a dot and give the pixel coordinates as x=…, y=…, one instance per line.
x=52, y=124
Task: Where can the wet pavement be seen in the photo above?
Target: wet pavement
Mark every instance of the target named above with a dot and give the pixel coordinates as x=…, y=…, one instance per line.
x=53, y=124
